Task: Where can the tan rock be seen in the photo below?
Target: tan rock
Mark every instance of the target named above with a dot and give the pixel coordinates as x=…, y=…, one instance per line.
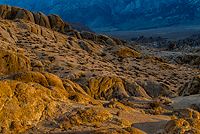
x=193, y=131
x=58, y=24
x=5, y=11
x=177, y=126
x=135, y=90
x=41, y=19
x=125, y=52
x=155, y=89
x=133, y=130
x=88, y=36
x=191, y=87
x=11, y=62
x=71, y=86
x=111, y=42
x=186, y=113
x=105, y=88
x=25, y=15
x=195, y=106
x=43, y=78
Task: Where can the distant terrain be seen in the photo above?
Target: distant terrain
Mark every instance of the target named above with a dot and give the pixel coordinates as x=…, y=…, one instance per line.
x=171, y=32
x=118, y=14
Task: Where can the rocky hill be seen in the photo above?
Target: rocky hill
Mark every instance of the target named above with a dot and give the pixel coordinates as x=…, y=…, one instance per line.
x=54, y=79
x=118, y=14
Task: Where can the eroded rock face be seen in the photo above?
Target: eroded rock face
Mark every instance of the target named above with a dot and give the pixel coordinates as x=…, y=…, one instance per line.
x=187, y=113
x=88, y=35
x=25, y=15
x=25, y=104
x=41, y=19
x=45, y=79
x=191, y=87
x=181, y=126
x=12, y=62
x=58, y=24
x=5, y=11
x=105, y=88
x=155, y=89
x=135, y=90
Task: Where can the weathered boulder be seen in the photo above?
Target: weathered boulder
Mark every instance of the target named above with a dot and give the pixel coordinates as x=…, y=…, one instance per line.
x=194, y=123
x=12, y=62
x=195, y=106
x=41, y=19
x=193, y=131
x=43, y=78
x=191, y=87
x=71, y=86
x=5, y=11
x=155, y=89
x=6, y=36
x=181, y=126
x=105, y=88
x=133, y=130
x=84, y=115
x=135, y=90
x=25, y=15
x=58, y=24
x=177, y=126
x=111, y=42
x=25, y=104
x=88, y=36
x=125, y=52
x=8, y=12
x=186, y=113
x=90, y=47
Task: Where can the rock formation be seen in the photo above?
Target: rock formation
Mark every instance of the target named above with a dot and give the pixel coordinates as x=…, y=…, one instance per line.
x=56, y=79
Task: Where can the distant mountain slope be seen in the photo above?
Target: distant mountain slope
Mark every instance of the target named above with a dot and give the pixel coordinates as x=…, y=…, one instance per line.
x=118, y=14
x=80, y=27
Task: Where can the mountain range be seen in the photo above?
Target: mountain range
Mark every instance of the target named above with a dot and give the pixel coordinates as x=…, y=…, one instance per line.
x=118, y=14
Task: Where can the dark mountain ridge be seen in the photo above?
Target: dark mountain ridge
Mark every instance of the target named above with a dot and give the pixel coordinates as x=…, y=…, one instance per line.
x=118, y=14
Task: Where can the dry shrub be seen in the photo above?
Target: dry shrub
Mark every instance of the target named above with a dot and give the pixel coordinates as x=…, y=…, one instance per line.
x=155, y=104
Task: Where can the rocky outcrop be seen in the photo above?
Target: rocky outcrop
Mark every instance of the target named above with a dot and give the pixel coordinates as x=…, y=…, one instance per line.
x=195, y=106
x=52, y=21
x=125, y=52
x=105, y=88
x=186, y=113
x=41, y=19
x=181, y=126
x=25, y=15
x=155, y=89
x=29, y=97
x=191, y=87
x=8, y=12
x=88, y=35
x=43, y=78
x=58, y=24
x=12, y=62
x=135, y=90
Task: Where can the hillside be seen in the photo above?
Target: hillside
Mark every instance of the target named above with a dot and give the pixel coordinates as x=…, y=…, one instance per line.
x=118, y=14
x=54, y=79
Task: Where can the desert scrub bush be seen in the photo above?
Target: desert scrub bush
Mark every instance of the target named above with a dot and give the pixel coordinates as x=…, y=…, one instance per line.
x=127, y=102
x=155, y=104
